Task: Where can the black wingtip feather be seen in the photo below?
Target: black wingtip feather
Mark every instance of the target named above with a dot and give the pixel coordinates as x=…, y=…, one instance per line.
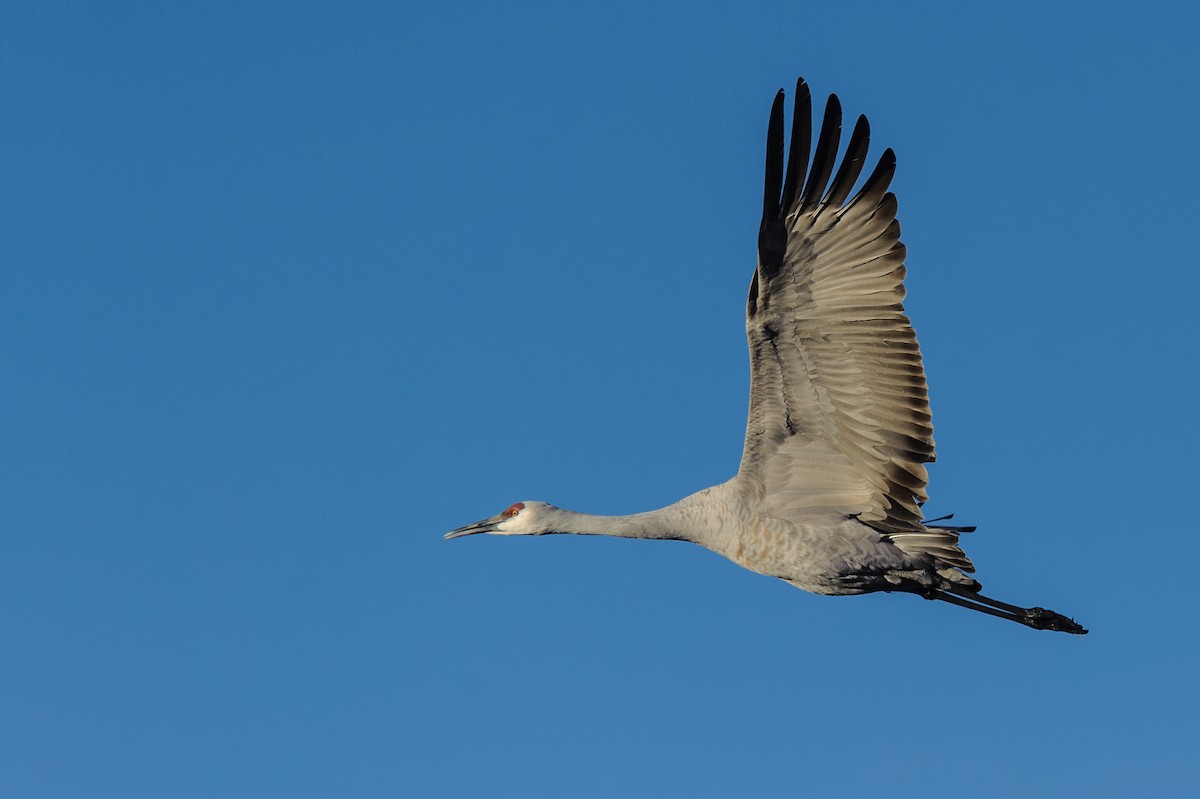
x=826, y=152
x=798, y=148
x=772, y=237
x=876, y=185
x=852, y=163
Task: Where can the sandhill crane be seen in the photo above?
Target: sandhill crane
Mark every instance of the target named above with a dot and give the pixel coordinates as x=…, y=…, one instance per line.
x=829, y=491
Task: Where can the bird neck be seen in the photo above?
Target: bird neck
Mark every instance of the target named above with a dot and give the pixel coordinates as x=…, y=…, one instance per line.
x=680, y=521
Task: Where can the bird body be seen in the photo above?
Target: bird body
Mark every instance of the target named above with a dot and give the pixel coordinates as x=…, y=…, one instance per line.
x=824, y=554
x=829, y=490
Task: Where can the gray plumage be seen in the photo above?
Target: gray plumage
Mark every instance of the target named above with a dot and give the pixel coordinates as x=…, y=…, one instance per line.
x=829, y=491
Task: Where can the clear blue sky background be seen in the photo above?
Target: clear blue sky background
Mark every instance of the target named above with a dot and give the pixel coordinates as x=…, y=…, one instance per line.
x=288, y=290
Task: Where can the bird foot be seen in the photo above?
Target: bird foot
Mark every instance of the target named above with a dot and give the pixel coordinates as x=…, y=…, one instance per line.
x=1042, y=619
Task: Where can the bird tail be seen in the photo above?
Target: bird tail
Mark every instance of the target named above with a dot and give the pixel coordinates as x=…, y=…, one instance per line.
x=939, y=542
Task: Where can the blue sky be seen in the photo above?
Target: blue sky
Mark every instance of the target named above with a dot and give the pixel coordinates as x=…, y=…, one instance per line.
x=289, y=290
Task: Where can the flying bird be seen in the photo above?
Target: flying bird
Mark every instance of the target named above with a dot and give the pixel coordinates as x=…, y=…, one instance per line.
x=829, y=491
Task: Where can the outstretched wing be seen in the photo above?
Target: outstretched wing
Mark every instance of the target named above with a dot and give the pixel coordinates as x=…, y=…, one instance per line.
x=839, y=411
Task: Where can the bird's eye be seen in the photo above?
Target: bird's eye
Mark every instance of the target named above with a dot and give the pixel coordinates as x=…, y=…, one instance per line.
x=513, y=510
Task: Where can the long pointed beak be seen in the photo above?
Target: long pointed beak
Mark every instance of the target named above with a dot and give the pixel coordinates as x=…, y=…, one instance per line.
x=485, y=526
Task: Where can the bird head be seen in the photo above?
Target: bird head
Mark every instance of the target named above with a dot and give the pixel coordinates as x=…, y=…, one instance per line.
x=519, y=518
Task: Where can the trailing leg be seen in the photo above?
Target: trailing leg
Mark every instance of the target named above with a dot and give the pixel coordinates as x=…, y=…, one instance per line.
x=1037, y=618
